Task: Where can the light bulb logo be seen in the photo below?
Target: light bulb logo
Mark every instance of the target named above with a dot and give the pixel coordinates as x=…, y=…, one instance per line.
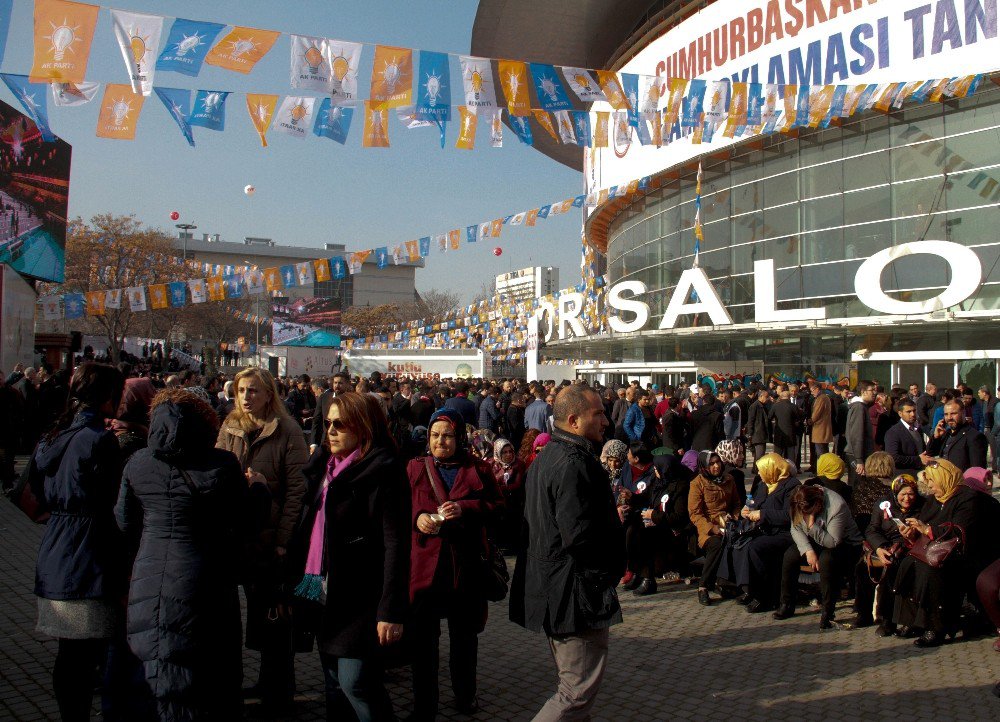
x=211, y=101
x=633, y=99
x=583, y=81
x=548, y=86
x=187, y=44
x=716, y=99
x=376, y=123
x=433, y=86
x=138, y=45
x=241, y=46
x=564, y=124
x=390, y=75
x=261, y=112
x=313, y=58
x=466, y=125
x=120, y=109
x=62, y=38
x=497, y=126
x=513, y=83
x=653, y=94
x=476, y=80
x=341, y=66
x=298, y=112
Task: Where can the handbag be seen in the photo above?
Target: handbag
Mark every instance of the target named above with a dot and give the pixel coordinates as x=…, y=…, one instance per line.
x=28, y=494
x=934, y=552
x=739, y=532
x=493, y=574
x=875, y=566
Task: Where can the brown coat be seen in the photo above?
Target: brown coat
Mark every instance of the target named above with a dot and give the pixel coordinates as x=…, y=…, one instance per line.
x=707, y=501
x=822, y=421
x=279, y=453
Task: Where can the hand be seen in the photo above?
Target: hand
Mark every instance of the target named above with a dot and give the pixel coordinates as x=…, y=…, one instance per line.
x=450, y=510
x=745, y=513
x=280, y=552
x=254, y=477
x=925, y=459
x=918, y=525
x=647, y=514
x=909, y=533
x=884, y=556
x=426, y=525
x=859, y=469
x=754, y=516
x=939, y=429
x=389, y=633
x=812, y=560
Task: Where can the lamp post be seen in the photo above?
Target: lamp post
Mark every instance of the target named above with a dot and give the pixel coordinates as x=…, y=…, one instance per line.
x=185, y=229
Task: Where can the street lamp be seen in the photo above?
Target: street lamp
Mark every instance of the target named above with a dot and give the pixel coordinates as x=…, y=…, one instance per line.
x=185, y=229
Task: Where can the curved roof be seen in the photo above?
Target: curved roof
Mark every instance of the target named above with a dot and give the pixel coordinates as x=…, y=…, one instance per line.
x=578, y=33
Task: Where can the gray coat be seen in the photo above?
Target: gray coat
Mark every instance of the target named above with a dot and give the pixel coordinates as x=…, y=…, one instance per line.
x=833, y=526
x=860, y=439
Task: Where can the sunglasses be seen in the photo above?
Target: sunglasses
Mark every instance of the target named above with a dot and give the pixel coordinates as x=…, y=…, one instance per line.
x=337, y=425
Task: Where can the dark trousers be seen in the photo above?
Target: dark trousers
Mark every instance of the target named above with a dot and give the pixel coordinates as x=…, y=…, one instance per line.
x=817, y=451
x=358, y=682
x=713, y=549
x=994, y=438
x=867, y=594
x=832, y=563
x=425, y=634
x=988, y=589
x=758, y=451
x=787, y=452
x=73, y=676
x=644, y=544
x=270, y=632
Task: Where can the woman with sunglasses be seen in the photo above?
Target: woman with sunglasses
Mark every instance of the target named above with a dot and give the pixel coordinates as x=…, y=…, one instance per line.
x=354, y=542
x=455, y=499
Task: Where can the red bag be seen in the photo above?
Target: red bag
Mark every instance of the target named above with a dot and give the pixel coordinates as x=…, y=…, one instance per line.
x=29, y=493
x=934, y=552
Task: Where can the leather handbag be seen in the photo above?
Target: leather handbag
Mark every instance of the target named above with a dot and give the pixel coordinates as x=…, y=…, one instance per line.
x=934, y=552
x=494, y=576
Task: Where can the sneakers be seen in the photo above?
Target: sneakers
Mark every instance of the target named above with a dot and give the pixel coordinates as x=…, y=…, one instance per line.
x=626, y=579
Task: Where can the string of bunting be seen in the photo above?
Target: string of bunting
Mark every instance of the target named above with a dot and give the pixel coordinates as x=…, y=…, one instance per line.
x=699, y=109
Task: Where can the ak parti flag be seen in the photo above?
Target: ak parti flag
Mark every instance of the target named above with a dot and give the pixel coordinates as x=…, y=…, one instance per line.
x=467, y=128
x=242, y=48
x=63, y=34
x=261, y=109
x=612, y=88
x=545, y=120
x=158, y=296
x=413, y=250
x=272, y=279
x=95, y=303
x=376, y=133
x=392, y=77
x=321, y=268
x=216, y=289
x=120, y=110
x=601, y=129
x=454, y=239
x=514, y=81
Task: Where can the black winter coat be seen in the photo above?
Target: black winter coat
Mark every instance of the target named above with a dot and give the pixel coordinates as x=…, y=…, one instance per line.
x=367, y=550
x=189, y=507
x=706, y=428
x=81, y=555
x=565, y=578
x=964, y=448
x=758, y=423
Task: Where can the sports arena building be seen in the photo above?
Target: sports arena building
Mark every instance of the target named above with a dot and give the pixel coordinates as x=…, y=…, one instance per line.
x=867, y=249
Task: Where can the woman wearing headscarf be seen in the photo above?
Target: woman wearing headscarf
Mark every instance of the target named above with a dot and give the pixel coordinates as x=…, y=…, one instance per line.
x=757, y=563
x=455, y=499
x=613, y=459
x=888, y=547
x=734, y=457
x=827, y=540
x=830, y=470
x=929, y=598
x=509, y=473
x=537, y=445
x=712, y=500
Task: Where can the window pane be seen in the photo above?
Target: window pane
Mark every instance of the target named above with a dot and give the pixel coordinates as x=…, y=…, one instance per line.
x=867, y=170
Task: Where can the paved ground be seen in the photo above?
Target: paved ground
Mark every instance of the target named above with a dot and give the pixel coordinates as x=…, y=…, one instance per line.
x=670, y=659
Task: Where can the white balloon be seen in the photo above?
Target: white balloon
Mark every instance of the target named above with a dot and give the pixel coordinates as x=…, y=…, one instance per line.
x=249, y=190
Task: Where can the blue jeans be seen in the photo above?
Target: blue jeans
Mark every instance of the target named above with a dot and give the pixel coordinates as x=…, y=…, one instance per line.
x=360, y=681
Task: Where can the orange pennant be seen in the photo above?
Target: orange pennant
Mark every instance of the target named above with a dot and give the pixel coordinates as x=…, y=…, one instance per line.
x=63, y=34
x=514, y=80
x=613, y=90
x=601, y=129
x=496, y=227
x=376, y=133
x=392, y=77
x=95, y=303
x=321, y=266
x=158, y=296
x=532, y=216
x=272, y=279
x=242, y=48
x=454, y=239
x=261, y=109
x=216, y=289
x=545, y=120
x=468, y=122
x=119, y=112
x=413, y=251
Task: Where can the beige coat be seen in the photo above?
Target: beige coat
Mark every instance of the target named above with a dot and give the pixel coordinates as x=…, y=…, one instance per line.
x=707, y=501
x=279, y=453
x=822, y=422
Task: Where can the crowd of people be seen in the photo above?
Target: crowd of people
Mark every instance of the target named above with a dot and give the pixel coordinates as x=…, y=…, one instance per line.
x=358, y=513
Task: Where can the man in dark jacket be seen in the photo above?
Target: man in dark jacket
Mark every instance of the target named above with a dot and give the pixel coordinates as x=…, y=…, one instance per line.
x=564, y=582
x=925, y=408
x=787, y=420
x=858, y=431
x=514, y=420
x=706, y=425
x=957, y=440
x=904, y=442
x=489, y=414
x=759, y=424
x=462, y=405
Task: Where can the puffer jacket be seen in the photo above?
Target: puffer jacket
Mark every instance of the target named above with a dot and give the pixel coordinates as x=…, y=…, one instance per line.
x=191, y=509
x=81, y=555
x=279, y=453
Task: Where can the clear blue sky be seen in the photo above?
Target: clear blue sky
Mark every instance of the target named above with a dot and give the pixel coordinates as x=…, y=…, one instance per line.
x=314, y=191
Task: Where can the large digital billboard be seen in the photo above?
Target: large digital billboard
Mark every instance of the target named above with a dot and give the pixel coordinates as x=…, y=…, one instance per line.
x=34, y=198
x=307, y=322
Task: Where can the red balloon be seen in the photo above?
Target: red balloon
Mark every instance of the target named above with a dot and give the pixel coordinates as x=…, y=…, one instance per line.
x=498, y=251
x=174, y=215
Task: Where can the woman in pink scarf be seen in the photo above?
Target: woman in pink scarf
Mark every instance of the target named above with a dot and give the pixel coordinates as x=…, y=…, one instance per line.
x=354, y=550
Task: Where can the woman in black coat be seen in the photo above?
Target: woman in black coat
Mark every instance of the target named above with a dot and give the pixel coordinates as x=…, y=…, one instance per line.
x=191, y=509
x=81, y=571
x=354, y=542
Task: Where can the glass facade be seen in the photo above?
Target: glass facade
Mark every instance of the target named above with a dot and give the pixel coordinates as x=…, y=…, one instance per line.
x=822, y=202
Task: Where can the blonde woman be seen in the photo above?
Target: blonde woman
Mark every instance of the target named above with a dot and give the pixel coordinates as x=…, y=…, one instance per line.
x=272, y=450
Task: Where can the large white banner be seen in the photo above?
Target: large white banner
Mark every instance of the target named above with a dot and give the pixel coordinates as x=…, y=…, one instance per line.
x=139, y=39
x=801, y=42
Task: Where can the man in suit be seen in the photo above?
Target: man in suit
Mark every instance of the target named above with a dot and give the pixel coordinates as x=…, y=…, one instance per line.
x=957, y=440
x=858, y=430
x=800, y=401
x=787, y=420
x=904, y=441
x=925, y=407
x=340, y=383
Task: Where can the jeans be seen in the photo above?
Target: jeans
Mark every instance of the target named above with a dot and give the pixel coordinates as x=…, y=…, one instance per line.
x=360, y=682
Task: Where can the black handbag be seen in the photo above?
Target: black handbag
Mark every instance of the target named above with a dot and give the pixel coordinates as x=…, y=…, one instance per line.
x=493, y=574
x=739, y=532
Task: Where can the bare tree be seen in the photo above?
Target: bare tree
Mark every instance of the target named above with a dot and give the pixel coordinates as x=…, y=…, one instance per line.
x=435, y=303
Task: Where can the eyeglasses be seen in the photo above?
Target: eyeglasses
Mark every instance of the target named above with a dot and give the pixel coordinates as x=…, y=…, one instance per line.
x=337, y=425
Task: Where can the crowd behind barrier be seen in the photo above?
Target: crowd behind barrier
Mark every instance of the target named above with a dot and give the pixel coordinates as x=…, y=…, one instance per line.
x=172, y=489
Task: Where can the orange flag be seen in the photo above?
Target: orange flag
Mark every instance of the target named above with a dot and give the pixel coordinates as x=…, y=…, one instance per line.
x=272, y=279
x=95, y=303
x=376, y=133
x=413, y=251
x=63, y=33
x=216, y=289
x=496, y=227
x=158, y=296
x=322, y=268
x=467, y=128
x=392, y=77
x=601, y=129
x=454, y=239
x=261, y=109
x=532, y=216
x=242, y=48
x=119, y=112
x=514, y=80
x=608, y=81
x=545, y=120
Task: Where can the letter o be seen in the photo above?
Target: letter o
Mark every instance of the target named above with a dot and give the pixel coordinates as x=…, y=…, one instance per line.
x=966, y=277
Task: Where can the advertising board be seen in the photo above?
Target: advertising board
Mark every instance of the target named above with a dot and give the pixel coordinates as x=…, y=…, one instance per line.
x=17, y=320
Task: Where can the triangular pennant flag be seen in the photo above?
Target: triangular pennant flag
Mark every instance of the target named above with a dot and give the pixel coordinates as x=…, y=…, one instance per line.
x=549, y=88
x=209, y=109
x=63, y=35
x=119, y=114
x=376, y=133
x=545, y=120
x=496, y=127
x=178, y=104
x=522, y=128
x=138, y=38
x=565, y=124
x=261, y=110
x=434, y=87
x=514, y=81
x=32, y=97
x=582, y=83
x=467, y=128
x=312, y=64
x=71, y=94
x=333, y=121
x=188, y=42
x=477, y=81
x=612, y=88
x=242, y=48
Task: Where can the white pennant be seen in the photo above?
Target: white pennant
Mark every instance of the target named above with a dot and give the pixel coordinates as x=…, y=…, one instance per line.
x=70, y=94
x=113, y=298
x=51, y=307
x=139, y=39
x=344, y=58
x=583, y=84
x=312, y=64
x=294, y=117
x=496, y=128
x=477, y=80
x=136, y=298
x=197, y=287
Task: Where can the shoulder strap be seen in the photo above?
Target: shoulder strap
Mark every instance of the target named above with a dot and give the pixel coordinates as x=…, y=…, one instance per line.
x=435, y=485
